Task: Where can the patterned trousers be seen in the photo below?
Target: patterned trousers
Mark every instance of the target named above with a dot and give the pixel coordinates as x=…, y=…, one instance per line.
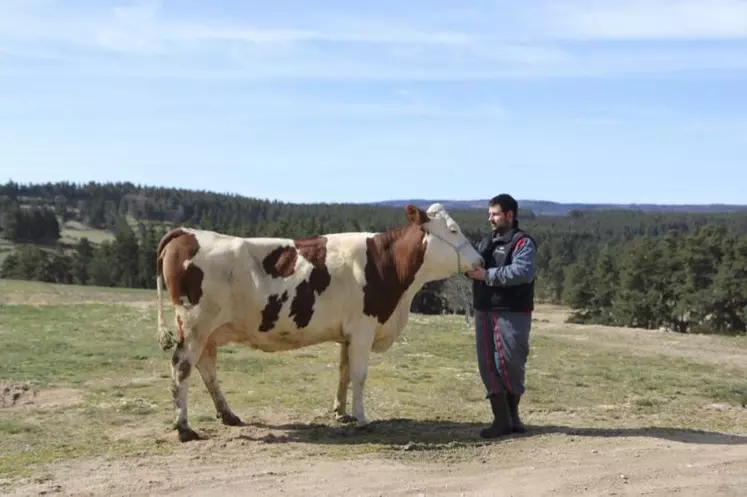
x=502, y=342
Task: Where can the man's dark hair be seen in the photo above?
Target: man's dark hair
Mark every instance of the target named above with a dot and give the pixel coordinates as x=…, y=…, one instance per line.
x=507, y=203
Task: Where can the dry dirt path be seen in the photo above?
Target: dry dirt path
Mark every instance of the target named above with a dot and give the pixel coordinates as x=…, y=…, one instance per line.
x=554, y=464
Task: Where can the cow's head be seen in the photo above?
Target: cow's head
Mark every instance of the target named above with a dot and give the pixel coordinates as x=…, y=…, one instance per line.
x=448, y=251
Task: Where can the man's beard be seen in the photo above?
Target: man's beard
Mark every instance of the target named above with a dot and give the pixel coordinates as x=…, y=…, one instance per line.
x=500, y=228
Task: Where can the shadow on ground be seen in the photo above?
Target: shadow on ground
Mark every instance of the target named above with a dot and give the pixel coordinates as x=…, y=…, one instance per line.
x=438, y=434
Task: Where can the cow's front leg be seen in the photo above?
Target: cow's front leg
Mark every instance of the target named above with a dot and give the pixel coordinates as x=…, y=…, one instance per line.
x=358, y=353
x=207, y=369
x=341, y=398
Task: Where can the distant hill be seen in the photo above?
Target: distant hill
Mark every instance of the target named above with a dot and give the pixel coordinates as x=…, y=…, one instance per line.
x=547, y=208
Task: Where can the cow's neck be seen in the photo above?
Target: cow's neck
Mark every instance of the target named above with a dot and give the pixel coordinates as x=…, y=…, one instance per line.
x=432, y=270
x=393, y=262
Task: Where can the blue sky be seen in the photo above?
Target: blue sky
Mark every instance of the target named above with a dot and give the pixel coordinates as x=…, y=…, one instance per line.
x=334, y=101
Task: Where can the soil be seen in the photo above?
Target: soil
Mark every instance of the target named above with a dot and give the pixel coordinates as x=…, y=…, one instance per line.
x=545, y=464
x=14, y=396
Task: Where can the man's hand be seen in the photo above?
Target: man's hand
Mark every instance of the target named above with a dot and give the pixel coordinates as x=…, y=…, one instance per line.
x=477, y=273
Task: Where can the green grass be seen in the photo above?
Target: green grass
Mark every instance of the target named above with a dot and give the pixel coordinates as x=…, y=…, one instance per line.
x=36, y=293
x=73, y=231
x=424, y=394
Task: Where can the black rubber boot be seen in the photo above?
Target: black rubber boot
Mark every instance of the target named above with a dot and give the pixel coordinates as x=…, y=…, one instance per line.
x=501, y=417
x=513, y=407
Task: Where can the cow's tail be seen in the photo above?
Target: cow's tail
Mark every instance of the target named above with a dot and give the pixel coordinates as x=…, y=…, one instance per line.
x=165, y=335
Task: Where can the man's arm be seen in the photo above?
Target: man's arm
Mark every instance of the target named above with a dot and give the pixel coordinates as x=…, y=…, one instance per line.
x=521, y=270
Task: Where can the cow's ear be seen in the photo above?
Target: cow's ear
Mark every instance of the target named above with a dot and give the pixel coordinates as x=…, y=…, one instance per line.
x=415, y=215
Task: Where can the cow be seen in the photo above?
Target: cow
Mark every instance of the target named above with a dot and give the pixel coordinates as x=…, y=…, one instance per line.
x=280, y=294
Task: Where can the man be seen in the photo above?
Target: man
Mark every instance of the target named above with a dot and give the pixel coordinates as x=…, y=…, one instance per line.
x=503, y=295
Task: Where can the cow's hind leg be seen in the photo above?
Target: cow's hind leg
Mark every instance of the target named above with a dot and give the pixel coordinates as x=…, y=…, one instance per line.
x=341, y=398
x=181, y=369
x=197, y=329
x=207, y=369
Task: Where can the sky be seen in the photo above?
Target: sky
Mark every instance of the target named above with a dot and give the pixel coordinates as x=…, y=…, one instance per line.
x=332, y=101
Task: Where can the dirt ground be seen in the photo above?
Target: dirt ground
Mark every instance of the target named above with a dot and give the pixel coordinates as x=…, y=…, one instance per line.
x=556, y=464
x=16, y=396
x=550, y=460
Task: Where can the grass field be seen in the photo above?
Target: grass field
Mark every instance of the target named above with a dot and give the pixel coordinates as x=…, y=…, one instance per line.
x=85, y=386
x=73, y=231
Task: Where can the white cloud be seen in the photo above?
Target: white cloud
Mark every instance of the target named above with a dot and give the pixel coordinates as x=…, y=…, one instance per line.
x=642, y=19
x=260, y=105
x=509, y=40
x=735, y=128
x=142, y=27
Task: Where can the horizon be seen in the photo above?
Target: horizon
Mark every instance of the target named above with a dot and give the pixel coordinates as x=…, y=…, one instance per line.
x=382, y=102
x=388, y=200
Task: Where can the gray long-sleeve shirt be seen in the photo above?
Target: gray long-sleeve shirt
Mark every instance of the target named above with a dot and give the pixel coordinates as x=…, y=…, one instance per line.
x=522, y=269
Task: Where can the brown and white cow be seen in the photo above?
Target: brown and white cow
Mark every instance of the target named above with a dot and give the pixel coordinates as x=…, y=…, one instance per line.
x=276, y=294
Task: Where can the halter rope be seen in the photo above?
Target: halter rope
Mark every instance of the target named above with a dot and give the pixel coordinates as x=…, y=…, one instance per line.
x=460, y=291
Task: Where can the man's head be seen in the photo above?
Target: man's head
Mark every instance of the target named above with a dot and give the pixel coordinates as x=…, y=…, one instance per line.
x=502, y=212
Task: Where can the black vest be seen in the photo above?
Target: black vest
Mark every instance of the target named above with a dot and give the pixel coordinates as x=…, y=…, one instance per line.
x=498, y=252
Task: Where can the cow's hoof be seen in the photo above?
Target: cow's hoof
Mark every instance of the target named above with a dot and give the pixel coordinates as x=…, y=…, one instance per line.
x=344, y=418
x=364, y=426
x=230, y=419
x=187, y=435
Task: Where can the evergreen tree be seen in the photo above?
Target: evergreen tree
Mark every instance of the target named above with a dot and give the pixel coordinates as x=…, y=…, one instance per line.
x=81, y=263
x=680, y=270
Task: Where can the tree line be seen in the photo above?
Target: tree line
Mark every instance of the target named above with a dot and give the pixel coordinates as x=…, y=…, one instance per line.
x=685, y=282
x=36, y=224
x=682, y=271
x=126, y=261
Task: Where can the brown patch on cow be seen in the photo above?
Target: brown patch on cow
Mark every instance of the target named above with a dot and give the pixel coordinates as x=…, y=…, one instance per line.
x=175, y=248
x=392, y=260
x=271, y=312
x=313, y=250
x=191, y=284
x=302, y=307
x=165, y=240
x=281, y=262
x=183, y=370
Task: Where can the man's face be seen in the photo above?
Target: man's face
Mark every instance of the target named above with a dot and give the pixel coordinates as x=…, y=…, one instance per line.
x=498, y=219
